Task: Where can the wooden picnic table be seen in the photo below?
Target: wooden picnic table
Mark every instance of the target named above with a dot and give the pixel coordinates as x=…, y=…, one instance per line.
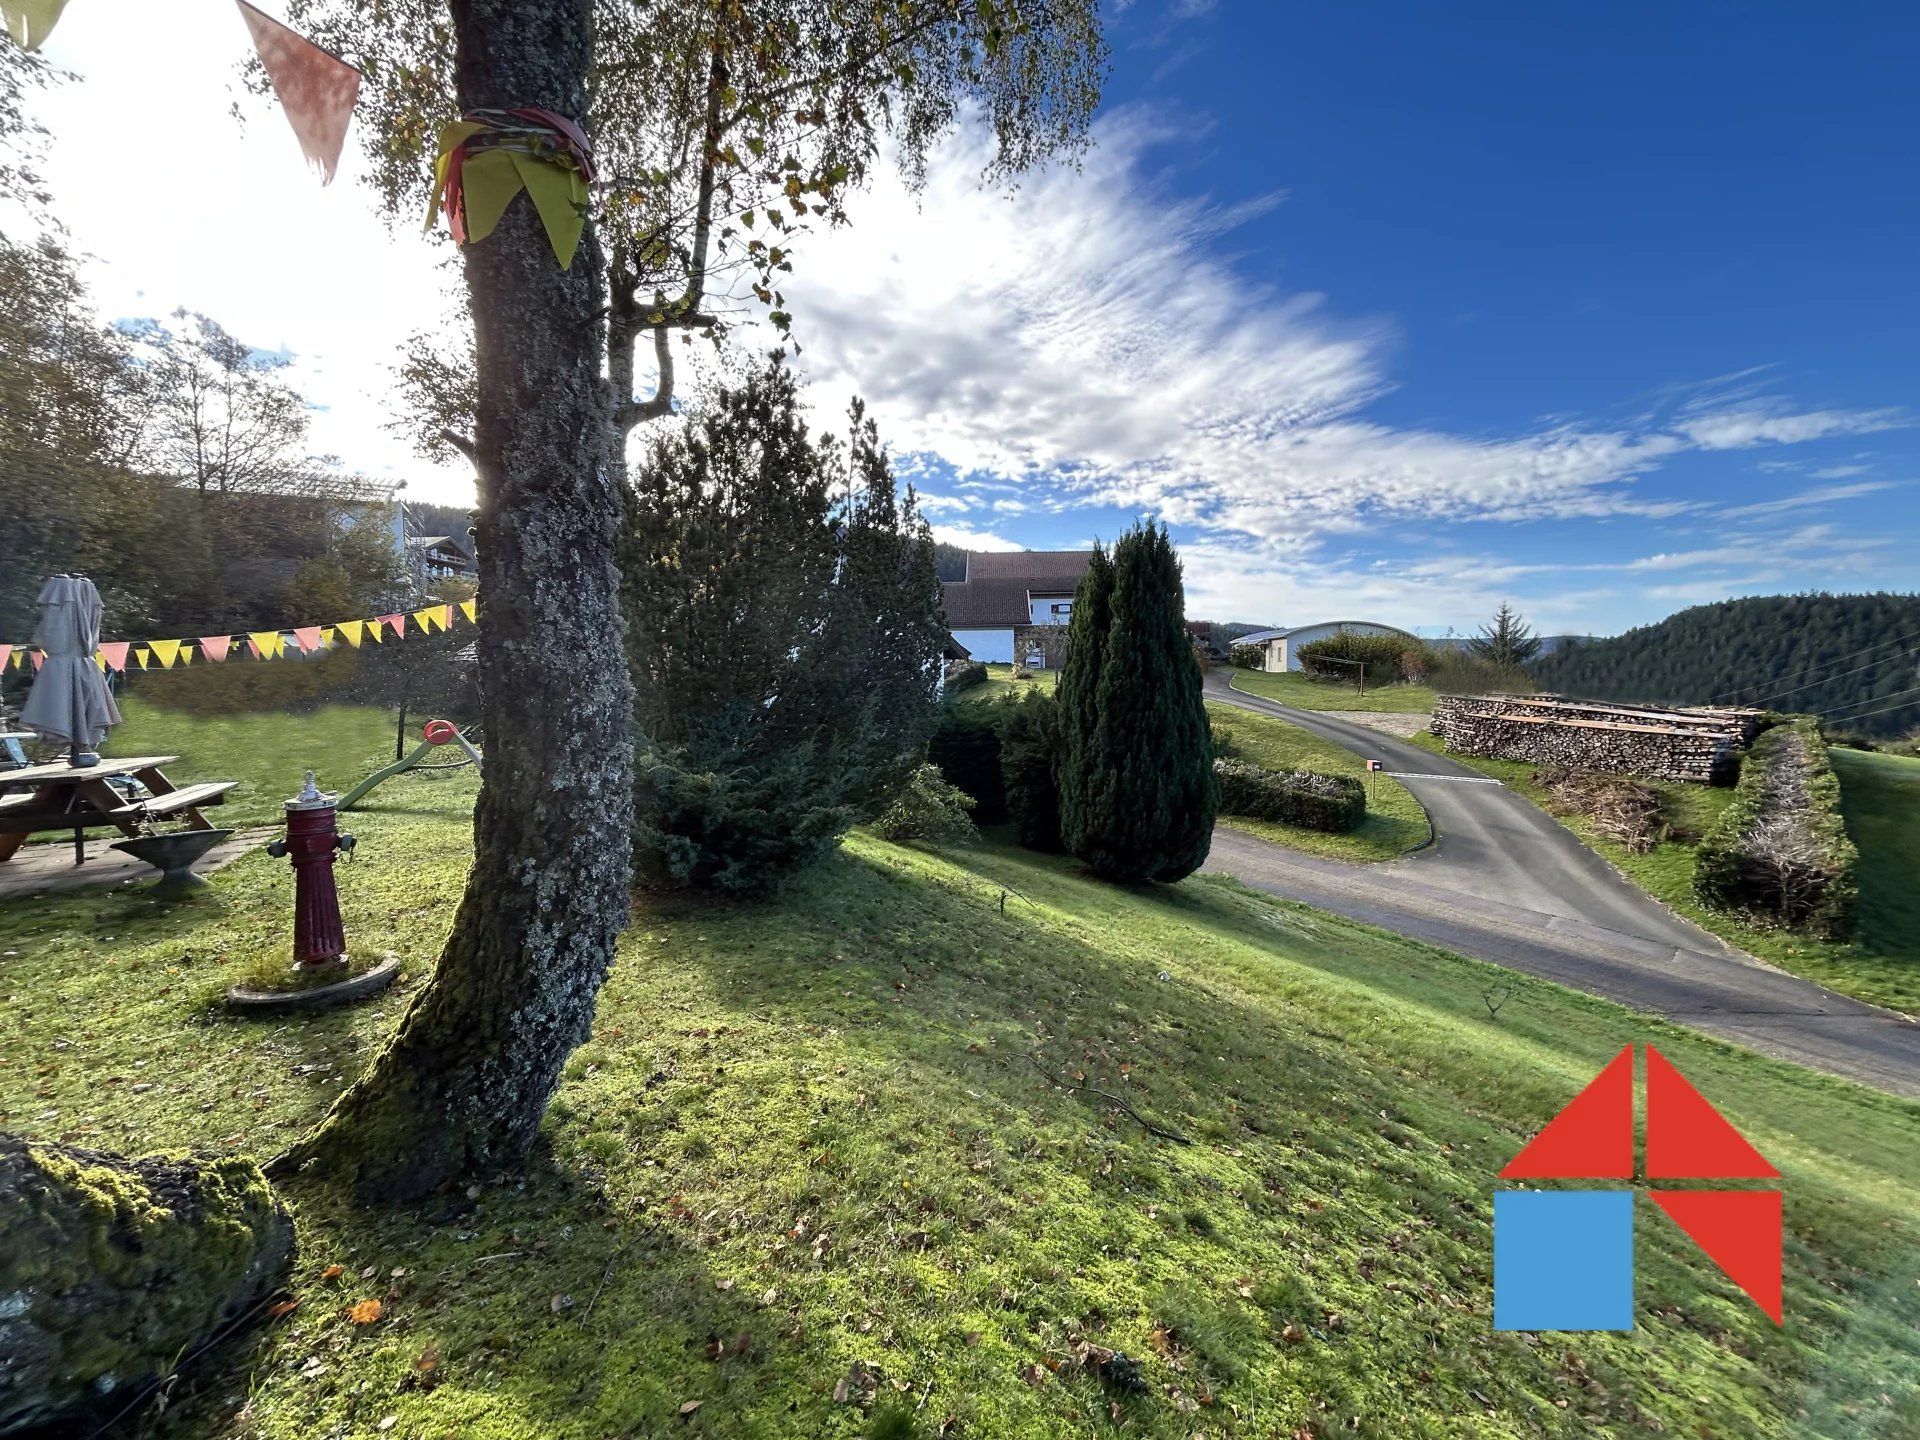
x=60, y=797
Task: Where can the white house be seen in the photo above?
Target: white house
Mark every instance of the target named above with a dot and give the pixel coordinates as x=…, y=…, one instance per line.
x=1281, y=648
x=1008, y=596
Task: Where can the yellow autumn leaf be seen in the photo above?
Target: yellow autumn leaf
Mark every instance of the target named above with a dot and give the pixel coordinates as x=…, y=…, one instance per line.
x=365, y=1312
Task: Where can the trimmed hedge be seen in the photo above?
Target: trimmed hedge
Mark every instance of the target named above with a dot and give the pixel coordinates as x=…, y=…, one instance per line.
x=1784, y=861
x=1383, y=655
x=964, y=675
x=966, y=747
x=1332, y=803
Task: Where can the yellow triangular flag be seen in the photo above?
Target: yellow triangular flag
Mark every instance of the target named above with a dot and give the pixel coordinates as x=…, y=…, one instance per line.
x=186, y=652
x=470, y=609
x=329, y=634
x=488, y=181
x=350, y=631
x=266, y=643
x=31, y=21
x=428, y=619
x=142, y=655
x=560, y=195
x=100, y=660
x=165, y=651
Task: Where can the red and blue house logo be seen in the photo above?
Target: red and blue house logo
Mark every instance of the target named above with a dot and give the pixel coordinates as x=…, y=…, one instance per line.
x=1563, y=1259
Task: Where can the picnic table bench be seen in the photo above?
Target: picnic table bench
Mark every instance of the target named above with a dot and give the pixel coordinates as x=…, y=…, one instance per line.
x=61, y=797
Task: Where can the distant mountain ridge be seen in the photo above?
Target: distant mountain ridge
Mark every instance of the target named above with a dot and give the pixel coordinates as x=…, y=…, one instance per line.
x=1852, y=659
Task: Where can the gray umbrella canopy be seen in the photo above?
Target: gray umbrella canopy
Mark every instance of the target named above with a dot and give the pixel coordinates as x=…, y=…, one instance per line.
x=70, y=701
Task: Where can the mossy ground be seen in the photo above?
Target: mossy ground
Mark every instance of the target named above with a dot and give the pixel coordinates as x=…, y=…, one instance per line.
x=1395, y=822
x=1880, y=798
x=843, y=1126
x=1295, y=688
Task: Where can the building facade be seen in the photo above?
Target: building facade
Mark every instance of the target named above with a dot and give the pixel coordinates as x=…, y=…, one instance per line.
x=1015, y=605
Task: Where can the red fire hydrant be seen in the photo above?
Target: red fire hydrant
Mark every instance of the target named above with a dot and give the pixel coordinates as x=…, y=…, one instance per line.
x=312, y=840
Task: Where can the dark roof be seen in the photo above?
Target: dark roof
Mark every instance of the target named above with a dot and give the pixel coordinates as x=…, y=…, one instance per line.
x=999, y=583
x=985, y=604
x=1043, y=571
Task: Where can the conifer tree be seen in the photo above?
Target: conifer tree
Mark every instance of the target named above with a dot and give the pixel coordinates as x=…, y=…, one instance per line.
x=1078, y=694
x=784, y=636
x=1508, y=641
x=1138, y=781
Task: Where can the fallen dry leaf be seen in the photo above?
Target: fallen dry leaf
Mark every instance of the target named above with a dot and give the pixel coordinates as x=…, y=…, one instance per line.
x=285, y=1307
x=365, y=1312
x=688, y=1408
x=333, y=1272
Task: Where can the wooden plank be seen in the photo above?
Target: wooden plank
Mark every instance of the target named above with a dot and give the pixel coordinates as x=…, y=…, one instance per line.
x=187, y=797
x=61, y=773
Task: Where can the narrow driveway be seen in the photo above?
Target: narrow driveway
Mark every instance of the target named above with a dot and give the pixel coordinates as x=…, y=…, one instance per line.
x=1504, y=882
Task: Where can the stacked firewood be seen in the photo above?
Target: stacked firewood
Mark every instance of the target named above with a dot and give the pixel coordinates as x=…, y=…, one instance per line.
x=1701, y=746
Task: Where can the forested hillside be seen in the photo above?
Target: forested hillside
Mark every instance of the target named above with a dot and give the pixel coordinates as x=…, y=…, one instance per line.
x=1853, y=659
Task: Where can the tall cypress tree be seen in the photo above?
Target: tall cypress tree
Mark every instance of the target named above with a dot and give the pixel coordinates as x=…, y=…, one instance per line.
x=1078, y=694
x=1137, y=793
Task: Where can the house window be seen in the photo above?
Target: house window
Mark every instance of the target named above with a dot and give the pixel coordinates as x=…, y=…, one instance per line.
x=1062, y=611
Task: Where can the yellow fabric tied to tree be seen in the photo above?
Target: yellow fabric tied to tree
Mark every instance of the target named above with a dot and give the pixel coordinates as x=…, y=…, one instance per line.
x=490, y=156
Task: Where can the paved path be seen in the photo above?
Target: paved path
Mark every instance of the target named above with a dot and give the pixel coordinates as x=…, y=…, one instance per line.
x=1505, y=882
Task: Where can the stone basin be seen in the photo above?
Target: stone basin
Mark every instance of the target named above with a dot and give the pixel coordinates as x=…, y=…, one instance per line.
x=174, y=854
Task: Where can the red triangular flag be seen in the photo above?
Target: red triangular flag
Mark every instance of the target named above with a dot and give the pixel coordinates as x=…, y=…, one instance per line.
x=214, y=647
x=1592, y=1136
x=397, y=622
x=1687, y=1138
x=115, y=653
x=317, y=89
x=39, y=658
x=307, y=637
x=1741, y=1231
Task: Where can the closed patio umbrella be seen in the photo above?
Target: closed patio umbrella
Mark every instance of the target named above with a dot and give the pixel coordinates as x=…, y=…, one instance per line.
x=70, y=701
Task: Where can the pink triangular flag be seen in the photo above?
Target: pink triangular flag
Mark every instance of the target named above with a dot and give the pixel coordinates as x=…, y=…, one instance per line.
x=6, y=654
x=115, y=653
x=39, y=658
x=214, y=647
x=308, y=637
x=316, y=89
x=398, y=623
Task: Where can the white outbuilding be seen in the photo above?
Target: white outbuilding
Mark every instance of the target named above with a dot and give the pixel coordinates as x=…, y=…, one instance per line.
x=1280, y=649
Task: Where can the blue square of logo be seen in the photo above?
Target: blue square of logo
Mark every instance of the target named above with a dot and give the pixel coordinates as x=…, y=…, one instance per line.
x=1563, y=1260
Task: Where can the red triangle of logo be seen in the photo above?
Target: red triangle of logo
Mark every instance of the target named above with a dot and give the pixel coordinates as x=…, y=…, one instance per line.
x=1687, y=1139
x=1740, y=1231
x=1592, y=1136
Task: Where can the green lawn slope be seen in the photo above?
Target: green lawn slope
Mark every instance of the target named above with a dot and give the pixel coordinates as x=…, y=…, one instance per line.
x=1395, y=821
x=1880, y=797
x=835, y=1165
x=1294, y=688
x=268, y=753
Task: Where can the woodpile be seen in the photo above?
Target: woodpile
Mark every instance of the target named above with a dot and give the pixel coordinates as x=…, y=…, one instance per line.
x=1697, y=745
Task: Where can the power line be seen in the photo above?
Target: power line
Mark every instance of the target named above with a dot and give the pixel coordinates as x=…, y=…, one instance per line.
x=1903, y=705
x=1834, y=714
x=1829, y=679
x=1821, y=665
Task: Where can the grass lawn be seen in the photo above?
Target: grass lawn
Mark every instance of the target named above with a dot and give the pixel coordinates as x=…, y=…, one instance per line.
x=269, y=754
x=1395, y=822
x=844, y=1127
x=1294, y=688
x=1000, y=681
x=1880, y=796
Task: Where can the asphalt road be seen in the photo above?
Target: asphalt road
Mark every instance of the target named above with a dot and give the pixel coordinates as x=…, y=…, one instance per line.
x=1503, y=881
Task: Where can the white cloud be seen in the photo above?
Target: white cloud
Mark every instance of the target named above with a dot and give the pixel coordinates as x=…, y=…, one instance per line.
x=1840, y=472
x=974, y=539
x=1815, y=495
x=1763, y=423
x=1081, y=338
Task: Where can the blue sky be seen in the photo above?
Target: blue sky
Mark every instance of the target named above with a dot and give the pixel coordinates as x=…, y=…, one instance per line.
x=1607, y=310
x=1393, y=311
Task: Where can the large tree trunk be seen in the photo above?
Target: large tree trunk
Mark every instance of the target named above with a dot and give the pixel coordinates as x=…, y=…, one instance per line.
x=462, y=1085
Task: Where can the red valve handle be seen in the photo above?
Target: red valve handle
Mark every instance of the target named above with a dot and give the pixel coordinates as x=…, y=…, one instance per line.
x=439, y=732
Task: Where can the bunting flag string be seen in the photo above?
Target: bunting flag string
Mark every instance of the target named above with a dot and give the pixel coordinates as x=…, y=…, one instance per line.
x=297, y=640
x=316, y=88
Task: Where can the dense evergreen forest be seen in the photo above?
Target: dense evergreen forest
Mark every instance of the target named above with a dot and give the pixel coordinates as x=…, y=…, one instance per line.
x=1852, y=659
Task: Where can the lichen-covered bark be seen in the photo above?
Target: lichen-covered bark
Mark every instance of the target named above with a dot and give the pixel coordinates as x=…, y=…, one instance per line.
x=462, y=1085
x=112, y=1271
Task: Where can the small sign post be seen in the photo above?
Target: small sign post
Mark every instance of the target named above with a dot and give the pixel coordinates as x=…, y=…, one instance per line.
x=1373, y=769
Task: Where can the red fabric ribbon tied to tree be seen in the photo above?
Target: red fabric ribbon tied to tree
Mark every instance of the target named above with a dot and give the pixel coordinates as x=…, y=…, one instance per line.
x=489, y=156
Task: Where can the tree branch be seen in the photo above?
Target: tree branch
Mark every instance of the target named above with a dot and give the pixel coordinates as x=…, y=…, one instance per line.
x=461, y=443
